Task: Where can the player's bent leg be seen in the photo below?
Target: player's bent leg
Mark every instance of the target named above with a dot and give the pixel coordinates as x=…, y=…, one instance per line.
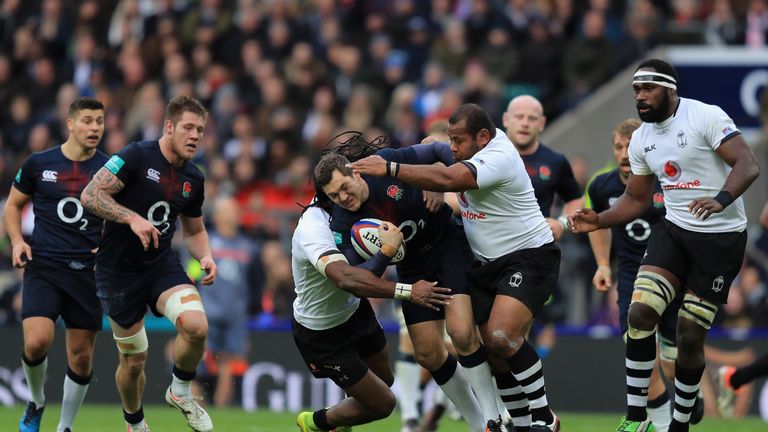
x=694, y=320
x=430, y=352
x=504, y=334
x=460, y=325
x=132, y=343
x=370, y=399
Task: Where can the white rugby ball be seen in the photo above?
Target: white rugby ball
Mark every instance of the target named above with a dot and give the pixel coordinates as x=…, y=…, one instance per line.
x=366, y=240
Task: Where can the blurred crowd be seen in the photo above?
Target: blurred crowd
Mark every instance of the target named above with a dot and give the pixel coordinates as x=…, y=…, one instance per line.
x=283, y=77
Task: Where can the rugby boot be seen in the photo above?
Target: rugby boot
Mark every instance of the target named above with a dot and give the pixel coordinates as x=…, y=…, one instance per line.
x=30, y=420
x=541, y=426
x=634, y=426
x=197, y=418
x=494, y=425
x=135, y=428
x=306, y=423
x=727, y=395
x=697, y=412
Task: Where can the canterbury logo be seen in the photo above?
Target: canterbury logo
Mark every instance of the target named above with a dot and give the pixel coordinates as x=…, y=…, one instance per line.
x=153, y=174
x=50, y=176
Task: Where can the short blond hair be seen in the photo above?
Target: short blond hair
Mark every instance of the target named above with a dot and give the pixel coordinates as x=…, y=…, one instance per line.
x=625, y=128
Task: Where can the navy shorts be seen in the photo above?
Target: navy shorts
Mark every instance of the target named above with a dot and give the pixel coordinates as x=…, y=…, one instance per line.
x=125, y=296
x=447, y=263
x=52, y=292
x=668, y=321
x=528, y=275
x=338, y=352
x=705, y=263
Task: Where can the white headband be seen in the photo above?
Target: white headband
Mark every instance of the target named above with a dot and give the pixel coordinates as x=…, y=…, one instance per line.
x=657, y=78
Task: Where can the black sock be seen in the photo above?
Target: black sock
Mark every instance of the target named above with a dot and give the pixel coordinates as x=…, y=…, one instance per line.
x=320, y=419
x=183, y=375
x=749, y=372
x=134, y=418
x=445, y=371
x=641, y=356
x=526, y=363
x=690, y=380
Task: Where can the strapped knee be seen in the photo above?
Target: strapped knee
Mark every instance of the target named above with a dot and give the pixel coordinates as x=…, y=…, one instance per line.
x=654, y=290
x=187, y=299
x=667, y=349
x=698, y=310
x=134, y=344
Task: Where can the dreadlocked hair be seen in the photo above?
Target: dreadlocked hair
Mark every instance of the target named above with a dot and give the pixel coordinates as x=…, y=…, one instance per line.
x=354, y=146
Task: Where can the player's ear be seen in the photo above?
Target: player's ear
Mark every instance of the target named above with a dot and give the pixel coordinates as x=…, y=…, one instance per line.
x=168, y=127
x=483, y=136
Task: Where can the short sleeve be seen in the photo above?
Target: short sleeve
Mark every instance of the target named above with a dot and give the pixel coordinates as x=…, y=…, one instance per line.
x=25, y=177
x=194, y=207
x=637, y=156
x=490, y=167
x=592, y=197
x=125, y=163
x=716, y=126
x=315, y=236
x=567, y=186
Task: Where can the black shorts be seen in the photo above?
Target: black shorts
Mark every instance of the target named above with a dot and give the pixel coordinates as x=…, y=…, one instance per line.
x=705, y=263
x=125, y=296
x=338, y=352
x=529, y=275
x=668, y=321
x=52, y=292
x=447, y=263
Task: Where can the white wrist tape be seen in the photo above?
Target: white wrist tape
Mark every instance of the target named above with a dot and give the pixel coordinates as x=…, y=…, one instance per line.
x=403, y=291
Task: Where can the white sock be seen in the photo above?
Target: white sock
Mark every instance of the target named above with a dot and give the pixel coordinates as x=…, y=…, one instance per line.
x=407, y=375
x=138, y=427
x=458, y=391
x=180, y=387
x=480, y=379
x=661, y=416
x=74, y=394
x=36, y=380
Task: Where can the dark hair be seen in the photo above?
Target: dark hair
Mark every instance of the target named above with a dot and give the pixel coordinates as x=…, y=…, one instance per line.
x=82, y=103
x=354, y=146
x=181, y=104
x=477, y=119
x=330, y=162
x=659, y=66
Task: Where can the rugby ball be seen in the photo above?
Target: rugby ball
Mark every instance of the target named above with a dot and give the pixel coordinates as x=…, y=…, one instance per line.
x=366, y=240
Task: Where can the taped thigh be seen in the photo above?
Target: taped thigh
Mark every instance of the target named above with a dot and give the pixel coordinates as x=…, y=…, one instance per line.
x=698, y=310
x=187, y=299
x=654, y=290
x=134, y=344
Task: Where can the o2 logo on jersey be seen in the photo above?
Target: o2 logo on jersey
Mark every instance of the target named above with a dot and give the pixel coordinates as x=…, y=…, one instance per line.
x=64, y=207
x=161, y=223
x=672, y=170
x=638, y=230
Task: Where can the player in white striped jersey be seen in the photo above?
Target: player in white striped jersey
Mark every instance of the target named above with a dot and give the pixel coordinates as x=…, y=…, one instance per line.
x=703, y=165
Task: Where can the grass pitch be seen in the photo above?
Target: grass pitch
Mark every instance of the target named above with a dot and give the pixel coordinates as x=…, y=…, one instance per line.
x=101, y=418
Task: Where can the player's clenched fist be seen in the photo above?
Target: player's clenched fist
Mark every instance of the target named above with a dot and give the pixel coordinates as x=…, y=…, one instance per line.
x=145, y=231
x=429, y=295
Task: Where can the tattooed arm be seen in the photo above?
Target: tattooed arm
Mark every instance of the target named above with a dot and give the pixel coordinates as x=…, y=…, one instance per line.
x=98, y=198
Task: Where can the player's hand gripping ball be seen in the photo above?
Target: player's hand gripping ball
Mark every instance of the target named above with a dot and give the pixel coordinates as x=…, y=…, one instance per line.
x=366, y=239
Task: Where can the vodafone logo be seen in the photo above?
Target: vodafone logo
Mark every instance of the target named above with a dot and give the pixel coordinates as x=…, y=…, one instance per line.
x=672, y=170
x=469, y=215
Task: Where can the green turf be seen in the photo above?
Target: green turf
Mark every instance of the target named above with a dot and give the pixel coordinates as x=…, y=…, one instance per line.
x=100, y=418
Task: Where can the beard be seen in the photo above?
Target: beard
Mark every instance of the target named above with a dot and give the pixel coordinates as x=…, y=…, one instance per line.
x=654, y=115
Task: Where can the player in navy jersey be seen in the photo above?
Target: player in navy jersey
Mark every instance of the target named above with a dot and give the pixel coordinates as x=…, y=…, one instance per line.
x=140, y=192
x=436, y=248
x=630, y=241
x=59, y=277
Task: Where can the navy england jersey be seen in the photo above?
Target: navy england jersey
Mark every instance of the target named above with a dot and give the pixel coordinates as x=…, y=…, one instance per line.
x=156, y=191
x=399, y=203
x=65, y=233
x=551, y=174
x=631, y=239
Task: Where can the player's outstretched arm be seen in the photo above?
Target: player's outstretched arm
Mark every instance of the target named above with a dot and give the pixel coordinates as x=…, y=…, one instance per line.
x=630, y=205
x=363, y=283
x=98, y=198
x=12, y=221
x=196, y=238
x=455, y=178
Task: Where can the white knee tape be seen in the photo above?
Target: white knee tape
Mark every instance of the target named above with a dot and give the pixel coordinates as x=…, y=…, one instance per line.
x=667, y=349
x=698, y=310
x=134, y=344
x=181, y=301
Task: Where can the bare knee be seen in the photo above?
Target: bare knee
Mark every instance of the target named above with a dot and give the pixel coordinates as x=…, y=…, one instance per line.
x=384, y=406
x=690, y=343
x=463, y=338
x=194, y=330
x=36, y=346
x=501, y=343
x=642, y=317
x=429, y=359
x=80, y=361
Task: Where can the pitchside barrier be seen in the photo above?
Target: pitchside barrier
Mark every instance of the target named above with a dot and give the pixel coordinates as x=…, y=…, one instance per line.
x=584, y=372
